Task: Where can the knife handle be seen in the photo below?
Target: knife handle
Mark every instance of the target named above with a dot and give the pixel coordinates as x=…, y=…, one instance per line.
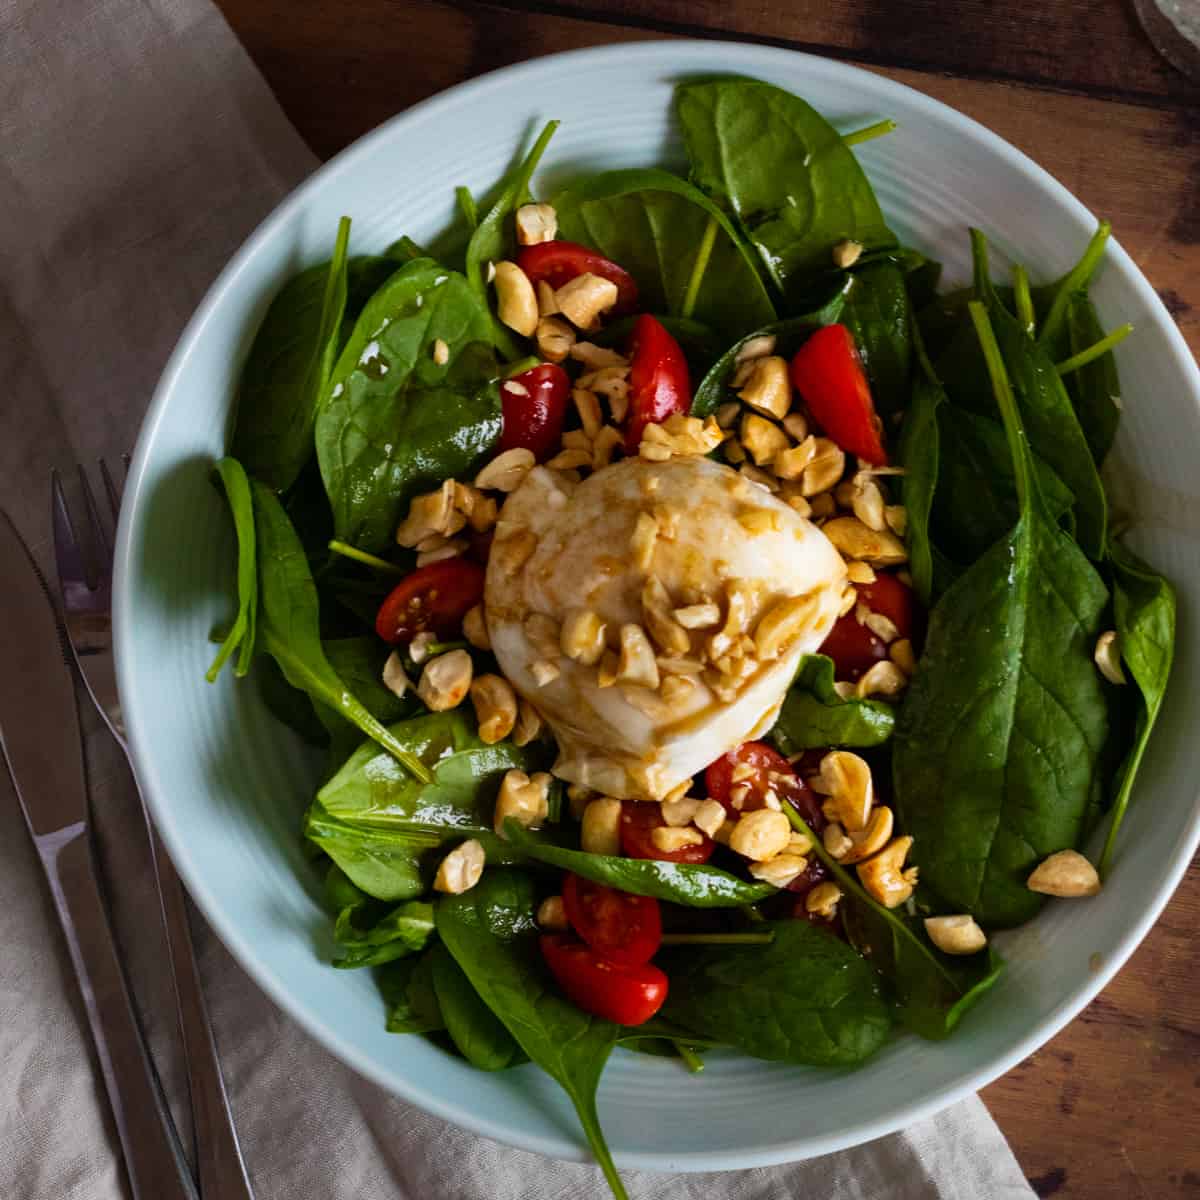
x=154, y=1158
x=218, y=1155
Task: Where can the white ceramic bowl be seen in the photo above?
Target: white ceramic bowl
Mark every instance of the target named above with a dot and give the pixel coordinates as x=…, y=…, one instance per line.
x=228, y=786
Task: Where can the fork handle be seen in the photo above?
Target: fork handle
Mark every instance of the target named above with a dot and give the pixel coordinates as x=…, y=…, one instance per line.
x=218, y=1155
x=154, y=1158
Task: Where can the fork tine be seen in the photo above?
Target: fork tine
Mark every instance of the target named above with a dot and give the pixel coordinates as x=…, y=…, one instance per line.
x=112, y=488
x=68, y=556
x=98, y=529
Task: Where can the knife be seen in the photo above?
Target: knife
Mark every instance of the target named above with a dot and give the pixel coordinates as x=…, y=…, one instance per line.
x=40, y=739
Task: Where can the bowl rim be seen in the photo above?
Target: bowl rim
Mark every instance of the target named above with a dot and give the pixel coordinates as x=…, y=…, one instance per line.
x=657, y=53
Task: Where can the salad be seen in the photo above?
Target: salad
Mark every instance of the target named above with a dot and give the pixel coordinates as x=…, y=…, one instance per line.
x=716, y=632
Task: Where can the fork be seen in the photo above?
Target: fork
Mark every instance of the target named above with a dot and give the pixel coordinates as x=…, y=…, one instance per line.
x=87, y=609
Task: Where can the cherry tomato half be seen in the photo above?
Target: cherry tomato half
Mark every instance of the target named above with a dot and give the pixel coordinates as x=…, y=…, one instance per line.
x=559, y=262
x=627, y=993
x=433, y=598
x=639, y=820
x=658, y=379
x=768, y=771
x=855, y=648
x=828, y=374
x=534, y=405
x=624, y=927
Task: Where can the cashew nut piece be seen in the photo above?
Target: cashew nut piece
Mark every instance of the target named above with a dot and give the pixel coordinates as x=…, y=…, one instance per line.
x=446, y=680
x=461, y=869
x=885, y=877
x=956, y=935
x=1067, y=874
x=495, y=707
x=524, y=797
x=516, y=301
x=872, y=839
x=847, y=779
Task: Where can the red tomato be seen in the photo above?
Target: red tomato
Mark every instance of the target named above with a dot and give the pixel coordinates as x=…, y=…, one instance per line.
x=534, y=405
x=828, y=374
x=559, y=262
x=658, y=379
x=627, y=993
x=624, y=927
x=771, y=772
x=639, y=820
x=434, y=598
x=852, y=646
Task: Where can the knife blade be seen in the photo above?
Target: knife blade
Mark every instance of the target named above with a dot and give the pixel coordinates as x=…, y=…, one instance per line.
x=40, y=741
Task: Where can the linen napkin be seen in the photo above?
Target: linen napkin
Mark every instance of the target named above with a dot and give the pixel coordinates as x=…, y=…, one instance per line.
x=138, y=147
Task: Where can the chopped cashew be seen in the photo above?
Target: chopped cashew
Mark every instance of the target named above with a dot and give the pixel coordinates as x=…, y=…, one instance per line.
x=671, y=637
x=762, y=439
x=824, y=469
x=956, y=935
x=780, y=870
x=822, y=901
x=475, y=628
x=885, y=876
x=554, y=339
x=847, y=253
x=598, y=358
x=552, y=915
x=394, y=678
x=433, y=514
x=796, y=426
x=1108, y=657
x=728, y=413
x=583, y=299
x=761, y=834
x=582, y=637
x=547, y=305
x=837, y=844
x=525, y=798
x=446, y=680
x=600, y=827
x=536, y=223
x=885, y=678
x=668, y=839
x=768, y=390
x=705, y=615
x=781, y=624
x=1065, y=874
x=847, y=782
x=642, y=541
x=528, y=724
x=902, y=654
x=709, y=816
x=495, y=707
x=441, y=352
x=588, y=406
x=792, y=461
x=853, y=539
x=516, y=301
x=679, y=812
x=544, y=672
x=461, y=869
x=637, y=663
x=756, y=347
x=506, y=471
x=872, y=839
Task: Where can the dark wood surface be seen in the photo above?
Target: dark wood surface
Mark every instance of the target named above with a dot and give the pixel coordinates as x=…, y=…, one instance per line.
x=1110, y=1109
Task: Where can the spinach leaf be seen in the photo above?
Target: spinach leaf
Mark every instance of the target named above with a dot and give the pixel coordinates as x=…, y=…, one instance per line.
x=491, y=932
x=681, y=883
x=1049, y=419
x=805, y=998
x=772, y=159
x=379, y=823
x=654, y=224
x=358, y=662
x=289, y=626
x=407, y=988
x=813, y=714
x=1144, y=608
x=494, y=238
x=479, y=1035
x=242, y=634
x=999, y=735
x=286, y=370
x=920, y=455
x=393, y=421
x=876, y=313
x=402, y=931
x=1095, y=388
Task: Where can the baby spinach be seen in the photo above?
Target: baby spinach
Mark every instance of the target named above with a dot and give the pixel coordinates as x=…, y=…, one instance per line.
x=393, y=421
x=407, y=988
x=358, y=662
x=478, y=1034
x=491, y=932
x=805, y=998
x=1144, y=608
x=813, y=714
x=920, y=456
x=1095, y=388
x=654, y=224
x=998, y=737
x=402, y=931
x=242, y=633
x=774, y=161
x=289, y=626
x=875, y=310
x=690, y=884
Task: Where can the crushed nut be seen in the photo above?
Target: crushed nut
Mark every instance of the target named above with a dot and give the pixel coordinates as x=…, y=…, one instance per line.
x=837, y=844
x=605, y=446
x=474, y=628
x=588, y=406
x=896, y=516
x=853, y=539
x=536, y=223
x=570, y=460
x=637, y=664
x=768, y=390
x=582, y=638
x=446, y=680
x=761, y=439
x=516, y=301
x=544, y=672
x=441, y=352
x=756, y=347
x=578, y=798
x=642, y=540
x=495, y=707
x=791, y=462
x=418, y=648
x=528, y=725
x=758, y=520
x=956, y=935
x=822, y=901
x=847, y=782
x=1065, y=874
x=781, y=624
x=795, y=426
x=606, y=672
x=780, y=870
x=679, y=812
x=680, y=435
x=671, y=637
x=859, y=572
x=709, y=817
x=551, y=915
x=461, y=869
x=452, y=549
x=761, y=834
x=757, y=475
x=867, y=503
x=728, y=414
x=884, y=628
x=668, y=840
x=547, y=305
x=902, y=654
x=883, y=679
x=583, y=299
x=430, y=515
x=554, y=339
x=394, y=678
x=598, y=358
x=525, y=798
x=847, y=253
x=698, y=616
x=871, y=839
x=885, y=877
x=506, y=471
x=600, y=828
x=824, y=470
x=1108, y=657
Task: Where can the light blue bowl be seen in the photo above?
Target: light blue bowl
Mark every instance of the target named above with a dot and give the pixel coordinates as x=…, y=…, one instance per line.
x=228, y=785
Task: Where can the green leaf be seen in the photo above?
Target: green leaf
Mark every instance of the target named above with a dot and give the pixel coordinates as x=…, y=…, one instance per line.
x=814, y=715
x=774, y=161
x=1144, y=608
x=491, y=932
x=358, y=662
x=1095, y=389
x=289, y=625
x=407, y=988
x=999, y=735
x=241, y=636
x=654, y=224
x=694, y=885
x=393, y=421
x=403, y=930
x=876, y=313
x=920, y=455
x=805, y=998
x=478, y=1034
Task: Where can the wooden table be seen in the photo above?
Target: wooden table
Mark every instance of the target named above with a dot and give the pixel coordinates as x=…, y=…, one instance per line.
x=1109, y=1109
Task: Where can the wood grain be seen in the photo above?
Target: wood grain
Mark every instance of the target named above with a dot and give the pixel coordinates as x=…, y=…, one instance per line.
x=1107, y=1110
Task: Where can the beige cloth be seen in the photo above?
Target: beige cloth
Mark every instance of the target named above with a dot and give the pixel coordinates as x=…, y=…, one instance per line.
x=138, y=147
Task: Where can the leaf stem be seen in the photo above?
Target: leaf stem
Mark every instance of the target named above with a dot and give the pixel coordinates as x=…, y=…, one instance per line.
x=703, y=254
x=466, y=205
x=1076, y=280
x=717, y=939
x=1024, y=300
x=1095, y=351
x=869, y=133
x=371, y=560
x=435, y=648
x=691, y=1059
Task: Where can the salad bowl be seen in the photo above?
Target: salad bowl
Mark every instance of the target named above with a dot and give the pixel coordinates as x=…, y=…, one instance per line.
x=228, y=784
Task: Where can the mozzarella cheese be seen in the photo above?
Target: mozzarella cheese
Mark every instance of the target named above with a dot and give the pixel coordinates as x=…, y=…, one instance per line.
x=704, y=532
